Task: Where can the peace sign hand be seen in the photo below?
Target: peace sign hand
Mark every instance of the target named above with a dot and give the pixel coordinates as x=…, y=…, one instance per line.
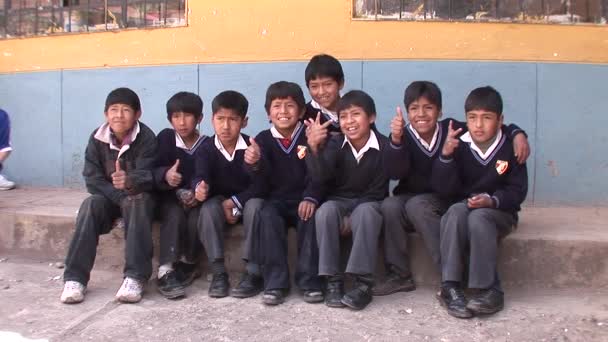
x=317, y=133
x=451, y=141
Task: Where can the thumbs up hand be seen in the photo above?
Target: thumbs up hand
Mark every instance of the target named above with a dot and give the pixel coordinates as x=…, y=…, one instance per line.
x=119, y=177
x=252, y=153
x=173, y=177
x=451, y=141
x=202, y=191
x=397, y=125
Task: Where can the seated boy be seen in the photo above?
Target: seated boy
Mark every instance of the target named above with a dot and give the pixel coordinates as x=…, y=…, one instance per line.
x=220, y=166
x=414, y=205
x=5, y=148
x=351, y=168
x=324, y=78
x=118, y=174
x=481, y=169
x=179, y=248
x=290, y=196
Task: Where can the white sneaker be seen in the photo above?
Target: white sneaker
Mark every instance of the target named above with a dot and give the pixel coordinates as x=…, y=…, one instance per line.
x=130, y=291
x=73, y=292
x=6, y=184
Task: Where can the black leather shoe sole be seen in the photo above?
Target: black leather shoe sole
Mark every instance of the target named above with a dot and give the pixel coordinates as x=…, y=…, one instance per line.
x=274, y=297
x=481, y=309
x=245, y=293
x=388, y=289
x=218, y=293
x=174, y=293
x=465, y=313
x=313, y=297
x=350, y=303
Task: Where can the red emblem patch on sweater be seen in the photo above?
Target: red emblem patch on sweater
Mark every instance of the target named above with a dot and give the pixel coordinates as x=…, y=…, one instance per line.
x=301, y=151
x=502, y=166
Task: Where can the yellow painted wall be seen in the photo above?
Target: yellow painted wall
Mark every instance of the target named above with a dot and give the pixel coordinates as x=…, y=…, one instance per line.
x=265, y=30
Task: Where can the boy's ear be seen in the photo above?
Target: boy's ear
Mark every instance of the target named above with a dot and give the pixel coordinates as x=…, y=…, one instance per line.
x=244, y=122
x=372, y=118
x=500, y=119
x=341, y=85
x=302, y=112
x=138, y=115
x=200, y=118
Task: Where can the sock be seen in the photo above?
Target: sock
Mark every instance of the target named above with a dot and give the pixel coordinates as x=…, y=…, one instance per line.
x=253, y=268
x=218, y=266
x=164, y=269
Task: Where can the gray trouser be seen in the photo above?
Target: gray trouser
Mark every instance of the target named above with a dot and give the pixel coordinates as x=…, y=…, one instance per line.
x=212, y=222
x=178, y=235
x=479, y=230
x=366, y=225
x=403, y=212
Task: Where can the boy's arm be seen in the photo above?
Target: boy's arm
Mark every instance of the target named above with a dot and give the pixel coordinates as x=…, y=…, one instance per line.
x=445, y=175
x=513, y=193
x=321, y=165
x=203, y=160
x=396, y=159
x=521, y=147
x=141, y=179
x=258, y=172
x=162, y=163
x=95, y=177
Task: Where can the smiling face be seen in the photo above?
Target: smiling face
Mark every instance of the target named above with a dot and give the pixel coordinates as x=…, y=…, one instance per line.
x=185, y=124
x=325, y=91
x=423, y=116
x=284, y=115
x=227, y=124
x=355, y=124
x=483, y=125
x=121, y=118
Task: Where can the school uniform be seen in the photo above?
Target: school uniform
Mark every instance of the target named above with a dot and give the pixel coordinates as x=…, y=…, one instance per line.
x=313, y=108
x=284, y=181
x=177, y=239
x=227, y=177
x=106, y=203
x=5, y=134
x=355, y=183
x=474, y=233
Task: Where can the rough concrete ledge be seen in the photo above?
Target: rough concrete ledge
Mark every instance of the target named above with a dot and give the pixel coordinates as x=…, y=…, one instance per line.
x=552, y=247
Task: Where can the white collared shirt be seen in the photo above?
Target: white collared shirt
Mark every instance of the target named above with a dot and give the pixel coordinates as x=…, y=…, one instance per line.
x=467, y=139
x=104, y=134
x=372, y=142
x=241, y=144
x=332, y=115
x=423, y=142
x=276, y=134
x=179, y=143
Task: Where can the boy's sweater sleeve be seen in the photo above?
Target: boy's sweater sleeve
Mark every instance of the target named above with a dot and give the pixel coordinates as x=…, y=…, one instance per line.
x=512, y=130
x=259, y=172
x=321, y=168
x=95, y=176
x=513, y=193
x=396, y=159
x=163, y=162
x=202, y=164
x=445, y=177
x=141, y=179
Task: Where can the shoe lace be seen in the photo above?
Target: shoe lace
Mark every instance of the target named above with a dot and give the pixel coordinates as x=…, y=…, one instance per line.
x=73, y=286
x=132, y=285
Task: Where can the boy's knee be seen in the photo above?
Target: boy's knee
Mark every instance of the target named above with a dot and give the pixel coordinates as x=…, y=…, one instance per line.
x=211, y=206
x=94, y=205
x=326, y=209
x=366, y=209
x=392, y=205
x=140, y=200
x=458, y=209
x=252, y=206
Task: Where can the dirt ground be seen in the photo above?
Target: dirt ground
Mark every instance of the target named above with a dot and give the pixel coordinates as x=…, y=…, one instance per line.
x=29, y=293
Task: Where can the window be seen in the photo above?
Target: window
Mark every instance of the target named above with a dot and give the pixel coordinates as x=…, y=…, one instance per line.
x=523, y=11
x=21, y=18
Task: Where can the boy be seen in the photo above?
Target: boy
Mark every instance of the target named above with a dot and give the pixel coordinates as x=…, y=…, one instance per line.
x=290, y=196
x=324, y=79
x=118, y=174
x=480, y=169
x=414, y=205
x=5, y=148
x=220, y=165
x=178, y=208
x=351, y=167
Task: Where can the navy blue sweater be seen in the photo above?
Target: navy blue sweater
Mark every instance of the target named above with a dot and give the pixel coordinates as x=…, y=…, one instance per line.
x=418, y=179
x=311, y=113
x=229, y=179
x=166, y=156
x=281, y=173
x=465, y=174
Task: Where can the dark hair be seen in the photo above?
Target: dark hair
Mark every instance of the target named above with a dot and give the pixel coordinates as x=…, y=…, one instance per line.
x=357, y=98
x=283, y=90
x=232, y=100
x=124, y=96
x=426, y=89
x=185, y=102
x=323, y=66
x=484, y=98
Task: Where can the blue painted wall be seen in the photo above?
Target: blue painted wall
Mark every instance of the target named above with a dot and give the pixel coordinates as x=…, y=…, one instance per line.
x=561, y=106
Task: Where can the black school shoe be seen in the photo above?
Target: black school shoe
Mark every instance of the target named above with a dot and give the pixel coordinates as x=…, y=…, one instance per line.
x=361, y=295
x=274, y=296
x=334, y=292
x=453, y=299
x=487, y=302
x=187, y=272
x=219, y=286
x=313, y=296
x=170, y=286
x=394, y=283
x=249, y=286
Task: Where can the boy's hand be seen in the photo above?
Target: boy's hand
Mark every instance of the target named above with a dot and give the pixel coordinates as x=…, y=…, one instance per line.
x=252, y=153
x=228, y=205
x=119, y=177
x=201, y=192
x=451, y=141
x=480, y=201
x=397, y=125
x=173, y=177
x=306, y=210
x=316, y=133
x=521, y=147
x=186, y=197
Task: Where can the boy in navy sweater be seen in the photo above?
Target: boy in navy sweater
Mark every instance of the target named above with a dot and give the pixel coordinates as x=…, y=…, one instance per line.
x=179, y=247
x=481, y=170
x=351, y=168
x=414, y=205
x=220, y=165
x=324, y=78
x=277, y=160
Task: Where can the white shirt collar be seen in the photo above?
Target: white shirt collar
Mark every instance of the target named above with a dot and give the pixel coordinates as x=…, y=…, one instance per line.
x=423, y=142
x=372, y=142
x=275, y=133
x=241, y=144
x=332, y=115
x=467, y=139
x=179, y=143
x=104, y=134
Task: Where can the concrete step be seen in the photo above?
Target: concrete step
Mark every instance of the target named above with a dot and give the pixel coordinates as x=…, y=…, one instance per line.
x=552, y=247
